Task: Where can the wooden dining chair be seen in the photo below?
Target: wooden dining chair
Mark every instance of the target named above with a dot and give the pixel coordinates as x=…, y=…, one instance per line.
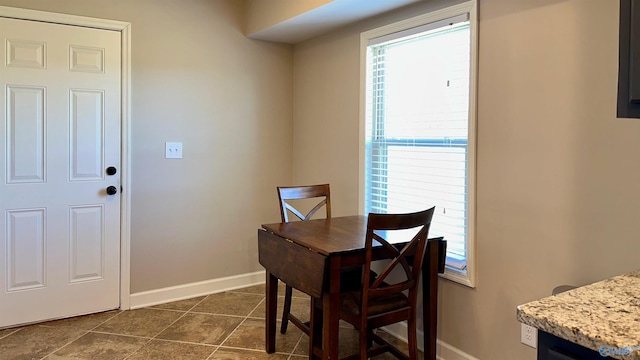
x=288, y=195
x=383, y=301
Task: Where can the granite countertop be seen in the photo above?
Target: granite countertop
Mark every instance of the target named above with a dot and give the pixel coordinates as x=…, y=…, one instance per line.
x=604, y=315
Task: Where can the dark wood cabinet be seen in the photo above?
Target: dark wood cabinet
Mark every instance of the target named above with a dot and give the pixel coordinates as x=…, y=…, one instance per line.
x=551, y=347
x=629, y=60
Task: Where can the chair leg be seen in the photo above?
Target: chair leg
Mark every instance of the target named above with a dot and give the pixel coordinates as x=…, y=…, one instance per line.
x=412, y=338
x=364, y=343
x=288, y=293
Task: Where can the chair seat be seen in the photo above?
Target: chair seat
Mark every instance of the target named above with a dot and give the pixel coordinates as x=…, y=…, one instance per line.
x=350, y=303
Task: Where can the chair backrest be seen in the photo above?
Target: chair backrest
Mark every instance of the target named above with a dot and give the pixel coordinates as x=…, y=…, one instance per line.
x=387, y=229
x=288, y=193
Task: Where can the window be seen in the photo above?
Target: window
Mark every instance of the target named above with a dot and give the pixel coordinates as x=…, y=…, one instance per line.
x=419, y=125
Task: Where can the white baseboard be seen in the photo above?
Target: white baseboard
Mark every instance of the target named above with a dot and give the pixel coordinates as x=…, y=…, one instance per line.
x=444, y=351
x=186, y=291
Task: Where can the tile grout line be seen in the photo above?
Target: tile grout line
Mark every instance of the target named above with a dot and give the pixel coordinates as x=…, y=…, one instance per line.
x=153, y=337
x=184, y=313
x=218, y=314
x=85, y=333
x=11, y=333
x=296, y=347
x=138, y=349
x=67, y=343
x=236, y=328
x=102, y=323
x=242, y=322
x=122, y=335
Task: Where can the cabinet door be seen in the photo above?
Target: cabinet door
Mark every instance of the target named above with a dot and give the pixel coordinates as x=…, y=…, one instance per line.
x=551, y=347
x=552, y=354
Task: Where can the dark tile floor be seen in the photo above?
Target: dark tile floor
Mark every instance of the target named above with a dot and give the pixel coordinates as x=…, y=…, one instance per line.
x=228, y=325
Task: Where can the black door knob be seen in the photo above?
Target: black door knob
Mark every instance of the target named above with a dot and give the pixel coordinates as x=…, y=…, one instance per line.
x=111, y=170
x=112, y=190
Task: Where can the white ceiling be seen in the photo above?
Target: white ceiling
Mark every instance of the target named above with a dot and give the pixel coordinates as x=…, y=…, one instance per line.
x=326, y=18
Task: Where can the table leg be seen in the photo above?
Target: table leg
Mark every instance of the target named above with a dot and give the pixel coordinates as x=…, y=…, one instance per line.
x=331, y=312
x=315, y=328
x=430, y=299
x=271, y=307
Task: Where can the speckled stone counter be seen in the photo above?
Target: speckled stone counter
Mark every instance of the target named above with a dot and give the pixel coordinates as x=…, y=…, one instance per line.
x=606, y=313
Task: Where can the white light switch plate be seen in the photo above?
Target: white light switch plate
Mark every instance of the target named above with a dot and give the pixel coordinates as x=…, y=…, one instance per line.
x=173, y=150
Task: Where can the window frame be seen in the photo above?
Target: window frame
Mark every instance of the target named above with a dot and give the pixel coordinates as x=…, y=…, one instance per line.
x=466, y=277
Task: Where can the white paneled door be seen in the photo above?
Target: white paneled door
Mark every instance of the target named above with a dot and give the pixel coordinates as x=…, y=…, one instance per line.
x=59, y=147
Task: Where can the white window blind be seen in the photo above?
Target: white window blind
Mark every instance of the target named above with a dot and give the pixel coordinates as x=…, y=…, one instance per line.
x=417, y=127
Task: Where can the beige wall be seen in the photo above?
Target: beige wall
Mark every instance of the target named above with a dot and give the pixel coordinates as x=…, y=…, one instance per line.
x=198, y=80
x=558, y=182
x=261, y=14
x=557, y=172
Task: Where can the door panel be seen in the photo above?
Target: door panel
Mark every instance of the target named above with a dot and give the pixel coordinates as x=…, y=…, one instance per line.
x=26, y=54
x=25, y=248
x=86, y=249
x=25, y=134
x=87, y=123
x=60, y=231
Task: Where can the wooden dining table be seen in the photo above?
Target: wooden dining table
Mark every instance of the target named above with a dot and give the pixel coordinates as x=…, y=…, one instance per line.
x=309, y=256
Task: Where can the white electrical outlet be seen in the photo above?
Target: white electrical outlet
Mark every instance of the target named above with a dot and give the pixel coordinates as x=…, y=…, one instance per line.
x=529, y=335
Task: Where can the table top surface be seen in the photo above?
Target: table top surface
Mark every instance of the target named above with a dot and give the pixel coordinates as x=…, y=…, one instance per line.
x=337, y=235
x=326, y=236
